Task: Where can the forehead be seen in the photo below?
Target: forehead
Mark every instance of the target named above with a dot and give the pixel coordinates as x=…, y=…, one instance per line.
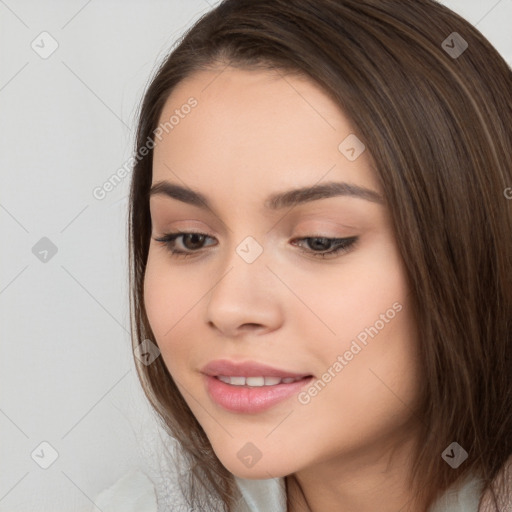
x=252, y=128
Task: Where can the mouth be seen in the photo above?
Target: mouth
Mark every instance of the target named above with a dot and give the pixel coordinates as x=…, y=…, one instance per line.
x=250, y=388
x=253, y=394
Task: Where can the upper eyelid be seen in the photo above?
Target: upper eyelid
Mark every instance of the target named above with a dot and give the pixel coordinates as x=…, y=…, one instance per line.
x=178, y=232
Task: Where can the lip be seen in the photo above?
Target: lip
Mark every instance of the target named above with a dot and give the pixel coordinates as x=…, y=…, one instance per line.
x=246, y=369
x=245, y=399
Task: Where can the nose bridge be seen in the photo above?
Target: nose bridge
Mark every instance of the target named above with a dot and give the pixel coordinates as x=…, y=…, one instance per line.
x=246, y=264
x=241, y=296
x=246, y=255
x=249, y=250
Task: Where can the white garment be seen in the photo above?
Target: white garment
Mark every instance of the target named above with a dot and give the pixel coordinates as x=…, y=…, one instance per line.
x=135, y=492
x=270, y=496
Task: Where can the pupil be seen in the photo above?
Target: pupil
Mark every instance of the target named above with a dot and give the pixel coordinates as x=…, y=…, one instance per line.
x=198, y=240
x=322, y=245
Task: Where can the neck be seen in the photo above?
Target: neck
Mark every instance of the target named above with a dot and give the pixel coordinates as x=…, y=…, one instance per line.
x=374, y=480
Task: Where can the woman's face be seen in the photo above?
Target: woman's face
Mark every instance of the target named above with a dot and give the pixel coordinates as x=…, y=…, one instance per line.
x=260, y=288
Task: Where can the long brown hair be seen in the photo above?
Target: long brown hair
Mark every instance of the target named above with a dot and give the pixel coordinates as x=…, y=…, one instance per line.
x=438, y=125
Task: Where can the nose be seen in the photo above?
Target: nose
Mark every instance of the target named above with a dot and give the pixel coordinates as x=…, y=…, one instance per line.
x=244, y=298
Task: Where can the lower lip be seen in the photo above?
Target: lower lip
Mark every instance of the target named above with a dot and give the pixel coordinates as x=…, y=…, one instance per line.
x=250, y=400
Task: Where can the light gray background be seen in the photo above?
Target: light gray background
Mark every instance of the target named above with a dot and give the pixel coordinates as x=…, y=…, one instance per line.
x=66, y=125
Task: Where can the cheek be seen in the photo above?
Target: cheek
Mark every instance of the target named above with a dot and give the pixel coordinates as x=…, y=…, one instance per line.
x=157, y=295
x=168, y=301
x=386, y=367
x=376, y=337
x=371, y=398
x=352, y=297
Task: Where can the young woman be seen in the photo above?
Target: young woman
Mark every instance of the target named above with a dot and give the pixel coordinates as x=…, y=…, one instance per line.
x=321, y=250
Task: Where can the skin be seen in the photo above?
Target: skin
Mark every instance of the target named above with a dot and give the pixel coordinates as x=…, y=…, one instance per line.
x=254, y=133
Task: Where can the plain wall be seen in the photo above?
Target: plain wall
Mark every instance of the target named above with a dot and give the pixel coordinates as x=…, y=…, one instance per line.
x=66, y=125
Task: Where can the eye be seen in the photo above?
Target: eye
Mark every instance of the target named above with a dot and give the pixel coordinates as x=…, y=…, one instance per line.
x=190, y=241
x=324, y=244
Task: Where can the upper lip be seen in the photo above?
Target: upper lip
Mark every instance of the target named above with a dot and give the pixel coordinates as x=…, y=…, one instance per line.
x=228, y=368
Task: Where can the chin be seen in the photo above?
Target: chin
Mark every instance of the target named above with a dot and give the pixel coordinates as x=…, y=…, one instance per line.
x=261, y=470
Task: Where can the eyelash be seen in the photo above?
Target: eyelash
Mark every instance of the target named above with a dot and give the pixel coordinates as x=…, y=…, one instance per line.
x=344, y=244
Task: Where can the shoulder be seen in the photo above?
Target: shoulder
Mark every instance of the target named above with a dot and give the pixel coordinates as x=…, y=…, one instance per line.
x=133, y=492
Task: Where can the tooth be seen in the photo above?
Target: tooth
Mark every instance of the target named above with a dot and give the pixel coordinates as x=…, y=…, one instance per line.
x=237, y=381
x=255, y=381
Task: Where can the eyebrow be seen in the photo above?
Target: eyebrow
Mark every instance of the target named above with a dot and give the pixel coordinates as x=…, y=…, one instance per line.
x=275, y=201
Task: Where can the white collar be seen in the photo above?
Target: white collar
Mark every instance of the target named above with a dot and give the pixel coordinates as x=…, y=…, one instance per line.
x=262, y=495
x=270, y=496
